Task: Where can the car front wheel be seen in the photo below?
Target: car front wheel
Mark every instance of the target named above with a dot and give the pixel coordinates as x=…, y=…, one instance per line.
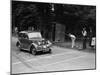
x=33, y=50
x=50, y=51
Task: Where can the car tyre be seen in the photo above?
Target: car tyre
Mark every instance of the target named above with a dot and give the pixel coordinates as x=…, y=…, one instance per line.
x=50, y=51
x=18, y=46
x=33, y=50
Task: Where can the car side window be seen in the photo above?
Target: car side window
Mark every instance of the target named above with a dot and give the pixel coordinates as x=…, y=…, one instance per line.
x=20, y=35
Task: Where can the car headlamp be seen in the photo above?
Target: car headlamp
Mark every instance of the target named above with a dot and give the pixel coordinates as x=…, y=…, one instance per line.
x=39, y=43
x=44, y=46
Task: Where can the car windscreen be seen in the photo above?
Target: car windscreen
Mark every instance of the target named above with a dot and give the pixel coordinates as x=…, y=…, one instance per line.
x=20, y=35
x=34, y=35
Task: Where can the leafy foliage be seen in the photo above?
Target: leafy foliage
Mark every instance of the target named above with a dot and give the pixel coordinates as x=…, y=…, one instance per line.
x=25, y=15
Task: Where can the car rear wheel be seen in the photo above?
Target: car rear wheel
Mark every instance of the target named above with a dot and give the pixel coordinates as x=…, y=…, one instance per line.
x=33, y=50
x=18, y=45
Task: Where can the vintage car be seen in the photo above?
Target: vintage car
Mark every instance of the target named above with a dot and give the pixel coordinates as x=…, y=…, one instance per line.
x=33, y=42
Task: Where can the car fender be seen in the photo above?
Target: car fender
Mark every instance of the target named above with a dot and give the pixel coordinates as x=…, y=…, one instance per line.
x=33, y=44
x=49, y=44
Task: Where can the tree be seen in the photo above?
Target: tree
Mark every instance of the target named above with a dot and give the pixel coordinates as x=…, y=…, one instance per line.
x=25, y=15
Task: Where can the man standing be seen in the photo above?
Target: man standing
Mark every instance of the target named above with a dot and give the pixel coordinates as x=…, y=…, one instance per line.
x=90, y=36
x=73, y=38
x=84, y=33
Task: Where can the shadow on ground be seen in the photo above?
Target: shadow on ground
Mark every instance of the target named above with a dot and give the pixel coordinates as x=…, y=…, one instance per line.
x=78, y=46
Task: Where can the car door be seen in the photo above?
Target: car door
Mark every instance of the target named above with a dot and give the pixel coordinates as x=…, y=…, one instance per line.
x=21, y=39
x=25, y=45
x=28, y=42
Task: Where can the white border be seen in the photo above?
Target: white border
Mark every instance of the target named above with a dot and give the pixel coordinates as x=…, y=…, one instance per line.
x=5, y=36
x=80, y=2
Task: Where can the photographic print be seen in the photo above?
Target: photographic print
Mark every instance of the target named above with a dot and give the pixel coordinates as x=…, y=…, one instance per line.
x=52, y=37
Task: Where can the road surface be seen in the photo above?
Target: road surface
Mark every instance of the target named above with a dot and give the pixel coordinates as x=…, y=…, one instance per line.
x=61, y=59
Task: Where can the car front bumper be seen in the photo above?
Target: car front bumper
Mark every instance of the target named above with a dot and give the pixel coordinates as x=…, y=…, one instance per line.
x=43, y=48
